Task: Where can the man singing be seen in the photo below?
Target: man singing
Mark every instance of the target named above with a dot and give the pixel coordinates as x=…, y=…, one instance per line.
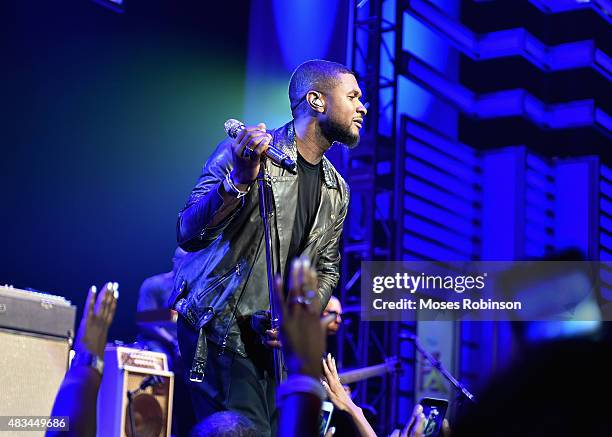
x=222, y=283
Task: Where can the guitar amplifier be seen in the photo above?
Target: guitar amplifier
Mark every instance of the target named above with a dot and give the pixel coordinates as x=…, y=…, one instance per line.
x=37, y=313
x=127, y=370
x=36, y=332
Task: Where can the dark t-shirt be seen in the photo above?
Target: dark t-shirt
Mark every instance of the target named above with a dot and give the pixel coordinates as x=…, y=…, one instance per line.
x=309, y=195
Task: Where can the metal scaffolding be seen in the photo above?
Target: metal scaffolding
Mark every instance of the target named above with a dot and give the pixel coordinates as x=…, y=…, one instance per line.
x=370, y=227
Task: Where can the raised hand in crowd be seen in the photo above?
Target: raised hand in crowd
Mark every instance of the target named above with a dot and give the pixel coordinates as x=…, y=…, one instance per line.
x=303, y=337
x=307, y=277
x=78, y=394
x=303, y=330
x=97, y=318
x=341, y=399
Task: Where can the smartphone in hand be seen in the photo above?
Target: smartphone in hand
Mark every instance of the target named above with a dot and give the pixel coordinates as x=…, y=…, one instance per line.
x=434, y=411
x=326, y=412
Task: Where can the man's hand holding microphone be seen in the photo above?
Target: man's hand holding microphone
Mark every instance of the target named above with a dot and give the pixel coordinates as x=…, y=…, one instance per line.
x=248, y=147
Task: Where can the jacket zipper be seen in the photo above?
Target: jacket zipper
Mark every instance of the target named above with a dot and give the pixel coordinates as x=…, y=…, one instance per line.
x=223, y=278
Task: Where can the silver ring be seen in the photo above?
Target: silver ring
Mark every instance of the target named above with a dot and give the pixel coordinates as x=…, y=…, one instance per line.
x=301, y=300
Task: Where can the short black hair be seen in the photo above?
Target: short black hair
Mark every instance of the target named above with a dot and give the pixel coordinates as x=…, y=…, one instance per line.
x=315, y=74
x=225, y=424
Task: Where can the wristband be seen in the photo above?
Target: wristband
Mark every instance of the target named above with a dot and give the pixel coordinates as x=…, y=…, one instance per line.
x=87, y=359
x=231, y=189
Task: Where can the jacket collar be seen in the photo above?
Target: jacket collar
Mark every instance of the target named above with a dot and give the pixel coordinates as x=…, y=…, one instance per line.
x=284, y=138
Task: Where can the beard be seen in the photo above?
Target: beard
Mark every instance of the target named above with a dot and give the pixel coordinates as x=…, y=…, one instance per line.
x=334, y=131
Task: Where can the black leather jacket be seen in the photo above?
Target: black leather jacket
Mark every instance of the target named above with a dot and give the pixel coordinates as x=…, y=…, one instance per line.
x=223, y=280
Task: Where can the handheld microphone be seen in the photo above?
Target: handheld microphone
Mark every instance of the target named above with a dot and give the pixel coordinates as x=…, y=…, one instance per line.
x=233, y=128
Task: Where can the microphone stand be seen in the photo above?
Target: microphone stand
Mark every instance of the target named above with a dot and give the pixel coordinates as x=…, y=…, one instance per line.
x=436, y=364
x=130, y=396
x=265, y=209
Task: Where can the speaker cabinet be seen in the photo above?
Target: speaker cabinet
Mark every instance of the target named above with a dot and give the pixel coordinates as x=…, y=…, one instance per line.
x=35, y=339
x=32, y=368
x=125, y=370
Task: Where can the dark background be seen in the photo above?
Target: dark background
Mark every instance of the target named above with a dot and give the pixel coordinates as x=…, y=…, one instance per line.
x=107, y=119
